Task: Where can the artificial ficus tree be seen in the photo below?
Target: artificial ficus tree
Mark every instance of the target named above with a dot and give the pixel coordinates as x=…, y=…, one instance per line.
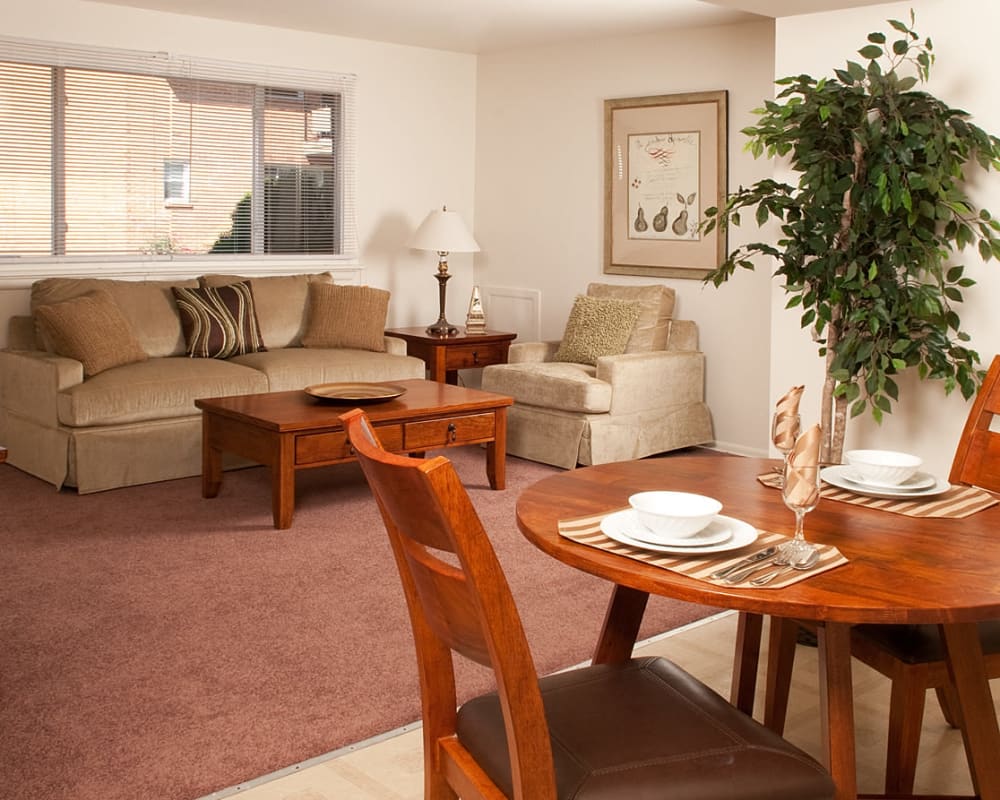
x=869, y=231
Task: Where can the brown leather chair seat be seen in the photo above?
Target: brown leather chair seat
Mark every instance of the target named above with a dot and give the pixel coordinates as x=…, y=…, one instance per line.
x=921, y=644
x=617, y=734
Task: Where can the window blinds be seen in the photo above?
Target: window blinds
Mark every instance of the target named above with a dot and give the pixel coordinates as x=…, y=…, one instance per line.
x=116, y=152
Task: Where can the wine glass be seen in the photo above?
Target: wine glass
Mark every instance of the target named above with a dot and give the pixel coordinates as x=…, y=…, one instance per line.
x=800, y=491
x=784, y=431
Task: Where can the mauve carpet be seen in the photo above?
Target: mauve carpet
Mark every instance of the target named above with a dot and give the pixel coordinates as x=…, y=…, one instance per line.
x=154, y=644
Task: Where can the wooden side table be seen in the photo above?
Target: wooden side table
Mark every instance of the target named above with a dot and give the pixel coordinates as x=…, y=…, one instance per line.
x=446, y=355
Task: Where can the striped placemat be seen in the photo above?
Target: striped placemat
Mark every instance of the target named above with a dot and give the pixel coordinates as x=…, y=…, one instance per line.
x=587, y=530
x=957, y=502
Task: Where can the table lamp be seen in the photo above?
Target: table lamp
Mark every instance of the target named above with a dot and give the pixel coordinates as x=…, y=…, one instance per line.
x=443, y=232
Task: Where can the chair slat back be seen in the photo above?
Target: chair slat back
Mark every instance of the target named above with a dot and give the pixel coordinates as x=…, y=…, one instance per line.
x=977, y=458
x=458, y=597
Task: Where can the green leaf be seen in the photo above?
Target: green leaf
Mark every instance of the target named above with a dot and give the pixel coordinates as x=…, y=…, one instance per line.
x=900, y=47
x=877, y=37
x=870, y=51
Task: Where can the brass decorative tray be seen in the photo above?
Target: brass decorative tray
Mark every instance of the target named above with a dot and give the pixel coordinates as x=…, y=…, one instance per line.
x=355, y=392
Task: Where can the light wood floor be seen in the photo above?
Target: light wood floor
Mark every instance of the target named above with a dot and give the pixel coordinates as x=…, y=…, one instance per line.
x=391, y=769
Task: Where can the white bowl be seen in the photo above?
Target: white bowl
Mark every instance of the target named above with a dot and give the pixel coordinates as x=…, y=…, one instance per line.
x=883, y=467
x=674, y=515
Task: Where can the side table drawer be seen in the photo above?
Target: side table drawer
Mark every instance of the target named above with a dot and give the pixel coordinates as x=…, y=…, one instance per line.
x=316, y=447
x=454, y=430
x=470, y=356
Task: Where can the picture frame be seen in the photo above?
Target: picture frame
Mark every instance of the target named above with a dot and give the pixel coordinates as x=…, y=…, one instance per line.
x=666, y=161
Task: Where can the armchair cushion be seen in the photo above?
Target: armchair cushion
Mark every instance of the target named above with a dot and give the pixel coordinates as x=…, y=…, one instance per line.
x=597, y=327
x=564, y=385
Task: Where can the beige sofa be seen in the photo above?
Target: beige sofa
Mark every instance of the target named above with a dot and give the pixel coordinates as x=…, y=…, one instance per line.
x=647, y=398
x=137, y=423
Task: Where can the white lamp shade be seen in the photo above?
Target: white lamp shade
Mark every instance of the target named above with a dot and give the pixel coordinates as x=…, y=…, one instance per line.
x=444, y=232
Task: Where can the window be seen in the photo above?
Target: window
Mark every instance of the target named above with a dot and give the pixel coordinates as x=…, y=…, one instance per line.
x=120, y=153
x=176, y=182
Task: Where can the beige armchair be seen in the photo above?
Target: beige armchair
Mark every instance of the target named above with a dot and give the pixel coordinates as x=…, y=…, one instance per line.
x=648, y=399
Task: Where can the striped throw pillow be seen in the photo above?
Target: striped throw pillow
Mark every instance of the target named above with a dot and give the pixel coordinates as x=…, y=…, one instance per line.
x=219, y=321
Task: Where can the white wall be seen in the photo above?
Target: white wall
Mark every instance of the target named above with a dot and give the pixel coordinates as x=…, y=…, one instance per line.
x=540, y=189
x=416, y=125
x=963, y=32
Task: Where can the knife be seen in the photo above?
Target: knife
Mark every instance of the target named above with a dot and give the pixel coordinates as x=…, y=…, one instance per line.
x=767, y=552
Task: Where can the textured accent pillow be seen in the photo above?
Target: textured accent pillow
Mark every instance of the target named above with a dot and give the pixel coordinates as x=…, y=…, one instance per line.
x=597, y=327
x=656, y=306
x=92, y=329
x=219, y=321
x=346, y=316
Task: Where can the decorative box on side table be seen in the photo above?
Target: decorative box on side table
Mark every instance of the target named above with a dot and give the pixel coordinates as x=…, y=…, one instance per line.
x=446, y=355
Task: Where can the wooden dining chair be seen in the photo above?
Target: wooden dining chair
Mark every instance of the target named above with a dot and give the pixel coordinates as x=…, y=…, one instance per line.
x=913, y=656
x=639, y=730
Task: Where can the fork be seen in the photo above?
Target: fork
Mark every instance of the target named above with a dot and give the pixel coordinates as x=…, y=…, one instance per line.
x=779, y=560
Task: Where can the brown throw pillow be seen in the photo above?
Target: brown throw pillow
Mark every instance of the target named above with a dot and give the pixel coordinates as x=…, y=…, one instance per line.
x=597, y=327
x=92, y=329
x=346, y=316
x=219, y=321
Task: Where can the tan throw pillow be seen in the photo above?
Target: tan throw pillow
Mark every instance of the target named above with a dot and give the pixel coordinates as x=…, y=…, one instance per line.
x=346, y=316
x=219, y=321
x=597, y=327
x=92, y=329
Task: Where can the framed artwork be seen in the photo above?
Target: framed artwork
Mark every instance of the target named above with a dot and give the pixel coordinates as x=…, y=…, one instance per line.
x=665, y=163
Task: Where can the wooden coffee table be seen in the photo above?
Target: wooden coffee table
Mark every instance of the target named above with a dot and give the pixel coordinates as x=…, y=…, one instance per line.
x=289, y=431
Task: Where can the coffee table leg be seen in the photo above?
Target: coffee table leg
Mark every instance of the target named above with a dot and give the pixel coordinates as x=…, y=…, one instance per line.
x=283, y=483
x=496, y=453
x=211, y=460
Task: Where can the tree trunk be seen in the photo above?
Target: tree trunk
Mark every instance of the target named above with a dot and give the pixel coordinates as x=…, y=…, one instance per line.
x=833, y=410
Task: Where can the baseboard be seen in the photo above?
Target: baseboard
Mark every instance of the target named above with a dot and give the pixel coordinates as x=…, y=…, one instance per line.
x=737, y=449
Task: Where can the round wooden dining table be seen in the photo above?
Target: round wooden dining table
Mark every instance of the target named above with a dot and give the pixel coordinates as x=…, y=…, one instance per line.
x=901, y=569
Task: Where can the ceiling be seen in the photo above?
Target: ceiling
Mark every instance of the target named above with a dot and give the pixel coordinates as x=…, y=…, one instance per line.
x=481, y=26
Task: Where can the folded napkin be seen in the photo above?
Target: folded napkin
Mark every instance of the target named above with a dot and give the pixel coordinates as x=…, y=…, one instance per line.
x=587, y=530
x=785, y=422
x=802, y=470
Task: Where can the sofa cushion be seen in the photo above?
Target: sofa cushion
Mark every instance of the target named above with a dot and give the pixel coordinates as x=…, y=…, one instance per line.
x=298, y=367
x=566, y=386
x=597, y=327
x=93, y=330
x=148, y=305
x=281, y=303
x=346, y=316
x=656, y=307
x=219, y=321
x=155, y=389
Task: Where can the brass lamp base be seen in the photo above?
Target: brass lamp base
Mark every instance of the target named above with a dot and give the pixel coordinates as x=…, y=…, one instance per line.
x=442, y=327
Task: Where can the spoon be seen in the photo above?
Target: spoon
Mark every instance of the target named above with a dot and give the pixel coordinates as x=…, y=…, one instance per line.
x=806, y=562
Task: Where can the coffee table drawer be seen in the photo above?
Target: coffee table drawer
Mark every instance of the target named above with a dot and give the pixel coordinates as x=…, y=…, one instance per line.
x=470, y=356
x=316, y=447
x=451, y=430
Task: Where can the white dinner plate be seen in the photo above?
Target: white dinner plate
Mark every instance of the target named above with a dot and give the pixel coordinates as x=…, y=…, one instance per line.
x=835, y=477
x=616, y=526
x=715, y=532
x=922, y=480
